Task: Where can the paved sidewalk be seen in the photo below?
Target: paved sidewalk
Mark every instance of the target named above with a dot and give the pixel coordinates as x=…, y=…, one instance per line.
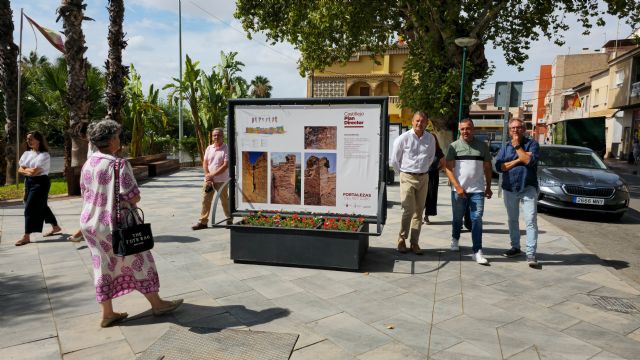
x=441, y=305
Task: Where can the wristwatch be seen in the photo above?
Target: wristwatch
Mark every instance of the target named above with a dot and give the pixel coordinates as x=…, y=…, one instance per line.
x=517, y=147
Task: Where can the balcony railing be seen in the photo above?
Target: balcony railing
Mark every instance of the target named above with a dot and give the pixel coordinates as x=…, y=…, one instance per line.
x=394, y=100
x=635, y=89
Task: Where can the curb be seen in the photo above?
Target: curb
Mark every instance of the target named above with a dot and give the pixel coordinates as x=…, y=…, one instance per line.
x=14, y=202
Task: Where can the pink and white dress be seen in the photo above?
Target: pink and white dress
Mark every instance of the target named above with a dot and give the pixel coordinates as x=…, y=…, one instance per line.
x=113, y=275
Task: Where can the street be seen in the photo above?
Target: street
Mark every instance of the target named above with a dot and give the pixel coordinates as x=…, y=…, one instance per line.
x=616, y=241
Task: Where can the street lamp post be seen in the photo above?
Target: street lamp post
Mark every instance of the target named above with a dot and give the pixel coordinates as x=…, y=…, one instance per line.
x=464, y=43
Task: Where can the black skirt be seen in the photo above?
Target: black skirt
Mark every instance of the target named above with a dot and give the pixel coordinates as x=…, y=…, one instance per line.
x=36, y=210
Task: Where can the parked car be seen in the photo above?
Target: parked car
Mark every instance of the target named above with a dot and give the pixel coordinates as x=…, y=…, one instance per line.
x=575, y=178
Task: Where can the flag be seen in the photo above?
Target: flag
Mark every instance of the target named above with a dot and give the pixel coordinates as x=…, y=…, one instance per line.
x=576, y=102
x=53, y=37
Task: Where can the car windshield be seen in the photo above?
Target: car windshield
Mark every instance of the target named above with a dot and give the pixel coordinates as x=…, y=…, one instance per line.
x=567, y=157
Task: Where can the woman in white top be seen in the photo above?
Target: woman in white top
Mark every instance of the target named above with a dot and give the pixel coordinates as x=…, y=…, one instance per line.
x=34, y=166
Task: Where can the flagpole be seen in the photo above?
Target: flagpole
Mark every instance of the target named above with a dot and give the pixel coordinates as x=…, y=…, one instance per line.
x=18, y=102
x=180, y=128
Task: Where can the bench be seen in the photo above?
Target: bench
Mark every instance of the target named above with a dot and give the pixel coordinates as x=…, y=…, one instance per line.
x=163, y=167
x=146, y=159
x=140, y=172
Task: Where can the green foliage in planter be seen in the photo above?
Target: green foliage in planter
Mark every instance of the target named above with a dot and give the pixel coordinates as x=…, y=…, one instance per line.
x=295, y=221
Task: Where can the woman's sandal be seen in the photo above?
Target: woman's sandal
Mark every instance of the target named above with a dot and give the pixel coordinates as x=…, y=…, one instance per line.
x=108, y=322
x=52, y=232
x=22, y=241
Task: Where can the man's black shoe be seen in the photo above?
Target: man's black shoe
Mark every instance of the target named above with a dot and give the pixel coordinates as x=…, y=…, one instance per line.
x=513, y=252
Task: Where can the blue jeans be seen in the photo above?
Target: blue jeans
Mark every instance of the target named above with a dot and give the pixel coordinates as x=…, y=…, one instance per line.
x=475, y=201
x=529, y=199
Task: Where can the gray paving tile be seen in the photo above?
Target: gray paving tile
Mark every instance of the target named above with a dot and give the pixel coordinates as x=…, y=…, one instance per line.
x=447, y=309
x=307, y=307
x=365, y=309
x=46, y=349
x=21, y=283
x=222, y=285
x=25, y=317
x=613, y=321
x=605, y=355
x=322, y=286
x=141, y=333
x=522, y=334
x=372, y=288
x=391, y=351
x=462, y=351
x=306, y=336
x=475, y=307
x=547, y=316
x=416, y=334
x=606, y=340
x=354, y=336
x=325, y=350
x=272, y=286
x=83, y=332
x=479, y=333
x=414, y=305
x=114, y=350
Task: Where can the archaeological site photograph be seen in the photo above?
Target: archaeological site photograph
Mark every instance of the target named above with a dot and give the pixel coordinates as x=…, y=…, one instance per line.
x=320, y=137
x=254, y=176
x=285, y=178
x=320, y=179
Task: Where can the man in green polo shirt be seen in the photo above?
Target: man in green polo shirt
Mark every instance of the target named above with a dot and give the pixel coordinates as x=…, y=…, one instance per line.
x=468, y=167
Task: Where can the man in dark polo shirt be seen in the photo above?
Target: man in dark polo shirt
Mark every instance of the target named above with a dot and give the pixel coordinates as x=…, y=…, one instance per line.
x=517, y=160
x=412, y=154
x=468, y=167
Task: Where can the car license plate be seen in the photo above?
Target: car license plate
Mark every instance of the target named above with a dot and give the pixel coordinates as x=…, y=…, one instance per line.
x=588, y=201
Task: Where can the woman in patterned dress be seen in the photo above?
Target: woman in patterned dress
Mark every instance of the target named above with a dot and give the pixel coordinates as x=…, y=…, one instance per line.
x=113, y=275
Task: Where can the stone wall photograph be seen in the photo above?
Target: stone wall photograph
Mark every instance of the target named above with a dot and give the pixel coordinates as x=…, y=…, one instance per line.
x=320, y=179
x=321, y=137
x=254, y=176
x=285, y=178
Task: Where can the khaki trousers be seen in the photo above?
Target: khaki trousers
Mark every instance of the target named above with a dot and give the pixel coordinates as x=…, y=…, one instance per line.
x=207, y=198
x=413, y=195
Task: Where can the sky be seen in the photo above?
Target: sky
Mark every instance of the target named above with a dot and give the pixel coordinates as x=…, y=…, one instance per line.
x=208, y=27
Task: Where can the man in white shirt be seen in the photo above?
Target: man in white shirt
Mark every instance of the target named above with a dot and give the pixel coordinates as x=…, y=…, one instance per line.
x=216, y=173
x=412, y=154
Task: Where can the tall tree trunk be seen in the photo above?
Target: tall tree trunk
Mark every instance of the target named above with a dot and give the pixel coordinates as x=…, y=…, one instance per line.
x=72, y=13
x=115, y=71
x=9, y=83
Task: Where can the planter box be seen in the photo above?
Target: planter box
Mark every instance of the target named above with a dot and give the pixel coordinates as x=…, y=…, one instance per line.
x=305, y=247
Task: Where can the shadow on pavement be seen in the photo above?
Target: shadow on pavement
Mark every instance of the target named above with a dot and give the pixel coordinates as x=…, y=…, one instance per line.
x=175, y=238
x=213, y=318
x=389, y=260
x=632, y=216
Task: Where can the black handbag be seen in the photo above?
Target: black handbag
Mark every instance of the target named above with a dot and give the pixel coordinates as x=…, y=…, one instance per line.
x=131, y=235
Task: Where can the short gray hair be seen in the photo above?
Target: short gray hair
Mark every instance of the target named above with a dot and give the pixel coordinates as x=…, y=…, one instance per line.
x=101, y=132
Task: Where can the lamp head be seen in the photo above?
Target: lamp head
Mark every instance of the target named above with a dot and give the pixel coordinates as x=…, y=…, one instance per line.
x=466, y=41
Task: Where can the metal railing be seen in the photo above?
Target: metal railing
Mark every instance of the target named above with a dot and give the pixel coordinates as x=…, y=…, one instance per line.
x=394, y=99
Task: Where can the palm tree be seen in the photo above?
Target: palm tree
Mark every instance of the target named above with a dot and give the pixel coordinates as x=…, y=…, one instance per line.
x=260, y=87
x=189, y=87
x=72, y=14
x=9, y=82
x=141, y=111
x=228, y=68
x=116, y=73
